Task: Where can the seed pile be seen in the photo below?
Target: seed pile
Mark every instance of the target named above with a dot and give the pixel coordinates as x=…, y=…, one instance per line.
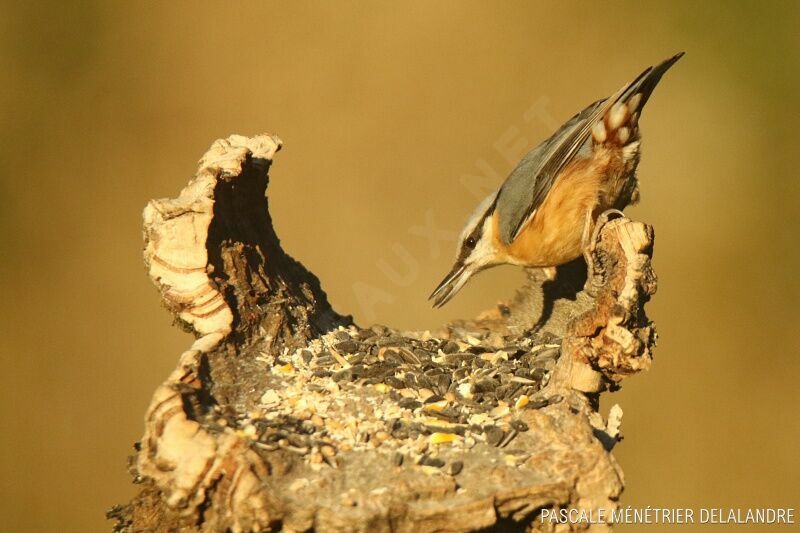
x=411, y=398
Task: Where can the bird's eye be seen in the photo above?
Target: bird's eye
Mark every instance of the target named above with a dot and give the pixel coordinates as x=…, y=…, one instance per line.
x=470, y=242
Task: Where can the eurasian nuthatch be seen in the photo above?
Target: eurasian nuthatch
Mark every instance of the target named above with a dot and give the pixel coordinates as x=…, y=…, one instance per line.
x=545, y=211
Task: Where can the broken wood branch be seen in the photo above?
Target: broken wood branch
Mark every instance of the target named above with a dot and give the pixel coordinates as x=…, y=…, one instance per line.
x=284, y=414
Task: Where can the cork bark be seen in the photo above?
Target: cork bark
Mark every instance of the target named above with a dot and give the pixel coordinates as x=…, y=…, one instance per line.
x=285, y=415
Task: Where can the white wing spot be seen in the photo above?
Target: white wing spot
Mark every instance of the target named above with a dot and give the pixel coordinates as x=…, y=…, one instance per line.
x=599, y=132
x=617, y=115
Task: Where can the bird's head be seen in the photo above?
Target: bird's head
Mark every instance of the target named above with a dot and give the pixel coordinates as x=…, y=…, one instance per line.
x=476, y=251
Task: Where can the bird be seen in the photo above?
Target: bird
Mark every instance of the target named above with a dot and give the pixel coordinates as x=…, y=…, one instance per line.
x=542, y=214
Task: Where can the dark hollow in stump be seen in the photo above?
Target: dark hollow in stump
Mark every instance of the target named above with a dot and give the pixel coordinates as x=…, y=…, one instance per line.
x=284, y=415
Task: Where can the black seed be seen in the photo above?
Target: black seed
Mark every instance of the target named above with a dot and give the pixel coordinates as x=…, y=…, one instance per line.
x=520, y=390
x=394, y=382
x=485, y=385
x=424, y=381
x=409, y=403
x=397, y=459
x=322, y=373
x=408, y=358
x=357, y=359
x=307, y=356
x=393, y=423
x=324, y=358
x=422, y=354
x=391, y=341
x=393, y=356
x=456, y=358
x=519, y=425
x=538, y=373
x=434, y=398
x=506, y=369
x=443, y=382
x=454, y=468
x=475, y=428
x=431, y=461
x=348, y=346
x=342, y=336
x=365, y=334
x=494, y=435
x=538, y=403
x=447, y=415
x=461, y=373
x=450, y=347
x=554, y=399
x=548, y=354
x=411, y=380
x=501, y=392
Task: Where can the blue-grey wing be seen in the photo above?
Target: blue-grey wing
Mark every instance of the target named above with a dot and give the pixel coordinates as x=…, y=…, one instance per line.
x=527, y=186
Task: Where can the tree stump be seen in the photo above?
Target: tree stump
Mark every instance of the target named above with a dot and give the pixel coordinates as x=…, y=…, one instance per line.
x=285, y=415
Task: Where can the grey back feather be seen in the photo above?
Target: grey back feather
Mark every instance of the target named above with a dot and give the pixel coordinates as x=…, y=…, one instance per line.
x=527, y=186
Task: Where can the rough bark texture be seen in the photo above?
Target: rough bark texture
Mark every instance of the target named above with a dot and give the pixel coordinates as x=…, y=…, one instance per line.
x=285, y=415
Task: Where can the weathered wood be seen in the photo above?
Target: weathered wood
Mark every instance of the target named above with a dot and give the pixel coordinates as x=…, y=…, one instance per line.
x=285, y=415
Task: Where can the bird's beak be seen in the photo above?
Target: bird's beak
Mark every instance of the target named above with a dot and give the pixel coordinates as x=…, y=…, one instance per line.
x=452, y=283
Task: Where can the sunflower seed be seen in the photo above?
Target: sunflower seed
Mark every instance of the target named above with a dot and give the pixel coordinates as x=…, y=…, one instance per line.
x=454, y=468
x=450, y=347
x=494, y=436
x=519, y=425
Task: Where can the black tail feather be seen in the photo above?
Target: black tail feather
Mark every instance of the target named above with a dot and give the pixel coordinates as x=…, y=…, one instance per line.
x=647, y=81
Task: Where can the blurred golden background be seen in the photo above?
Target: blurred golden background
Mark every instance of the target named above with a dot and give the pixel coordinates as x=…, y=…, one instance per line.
x=395, y=118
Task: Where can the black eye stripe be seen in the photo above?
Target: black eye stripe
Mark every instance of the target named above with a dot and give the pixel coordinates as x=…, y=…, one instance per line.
x=472, y=239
